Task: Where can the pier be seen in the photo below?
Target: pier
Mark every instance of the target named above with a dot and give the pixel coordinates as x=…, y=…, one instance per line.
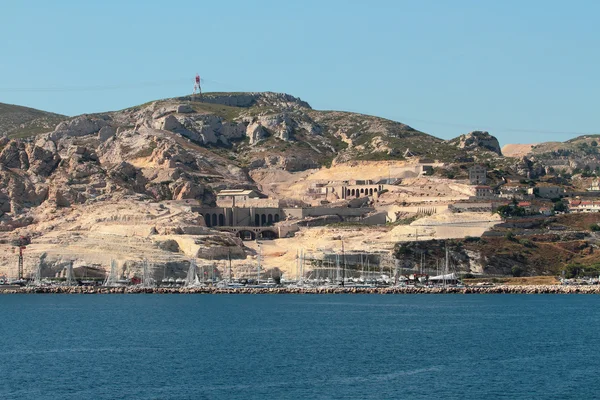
x=500, y=289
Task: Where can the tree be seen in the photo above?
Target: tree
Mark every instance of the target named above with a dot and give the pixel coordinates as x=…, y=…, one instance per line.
x=510, y=210
x=573, y=270
x=594, y=143
x=517, y=271
x=594, y=228
x=510, y=236
x=559, y=206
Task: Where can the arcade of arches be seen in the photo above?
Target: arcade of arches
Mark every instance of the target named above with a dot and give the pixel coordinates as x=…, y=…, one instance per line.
x=219, y=219
x=360, y=191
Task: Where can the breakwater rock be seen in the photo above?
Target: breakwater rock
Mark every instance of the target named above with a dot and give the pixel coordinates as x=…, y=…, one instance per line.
x=501, y=289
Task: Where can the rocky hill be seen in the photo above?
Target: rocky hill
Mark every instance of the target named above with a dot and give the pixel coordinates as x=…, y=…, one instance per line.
x=119, y=184
x=571, y=156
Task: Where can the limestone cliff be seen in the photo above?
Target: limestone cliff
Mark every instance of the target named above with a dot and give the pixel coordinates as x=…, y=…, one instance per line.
x=477, y=140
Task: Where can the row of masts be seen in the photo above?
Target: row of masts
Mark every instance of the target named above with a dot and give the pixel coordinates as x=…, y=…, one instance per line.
x=340, y=269
x=193, y=279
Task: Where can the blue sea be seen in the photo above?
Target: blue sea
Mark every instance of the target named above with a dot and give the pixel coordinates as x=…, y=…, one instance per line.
x=299, y=346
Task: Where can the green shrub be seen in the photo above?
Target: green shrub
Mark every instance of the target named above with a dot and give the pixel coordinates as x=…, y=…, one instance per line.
x=527, y=243
x=517, y=271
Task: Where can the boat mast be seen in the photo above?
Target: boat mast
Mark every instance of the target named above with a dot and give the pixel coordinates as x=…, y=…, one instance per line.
x=446, y=266
x=258, y=268
x=362, y=267
x=229, y=257
x=344, y=267
x=302, y=265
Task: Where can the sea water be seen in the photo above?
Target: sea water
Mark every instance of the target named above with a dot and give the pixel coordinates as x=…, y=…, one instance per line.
x=299, y=346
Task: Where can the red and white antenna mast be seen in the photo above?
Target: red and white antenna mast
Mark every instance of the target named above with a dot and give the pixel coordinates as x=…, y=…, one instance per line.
x=197, y=86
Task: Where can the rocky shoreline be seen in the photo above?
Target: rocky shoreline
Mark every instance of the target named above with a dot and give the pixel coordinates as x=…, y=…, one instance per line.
x=501, y=289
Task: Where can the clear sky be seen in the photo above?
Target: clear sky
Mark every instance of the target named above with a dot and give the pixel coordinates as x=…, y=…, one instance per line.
x=526, y=71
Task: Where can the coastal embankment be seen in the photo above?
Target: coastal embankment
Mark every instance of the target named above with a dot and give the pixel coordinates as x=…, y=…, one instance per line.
x=499, y=289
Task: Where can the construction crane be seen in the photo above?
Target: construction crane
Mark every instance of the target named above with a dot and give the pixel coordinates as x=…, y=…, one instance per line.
x=21, y=243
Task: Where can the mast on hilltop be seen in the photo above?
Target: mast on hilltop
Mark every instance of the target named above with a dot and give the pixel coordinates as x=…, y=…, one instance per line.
x=197, y=86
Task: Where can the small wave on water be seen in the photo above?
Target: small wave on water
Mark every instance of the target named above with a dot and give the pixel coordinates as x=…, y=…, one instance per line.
x=391, y=376
x=123, y=349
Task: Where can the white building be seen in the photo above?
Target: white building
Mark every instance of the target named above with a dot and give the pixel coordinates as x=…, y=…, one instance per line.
x=584, y=206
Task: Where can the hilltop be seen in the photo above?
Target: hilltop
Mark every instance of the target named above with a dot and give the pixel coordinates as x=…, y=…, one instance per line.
x=18, y=121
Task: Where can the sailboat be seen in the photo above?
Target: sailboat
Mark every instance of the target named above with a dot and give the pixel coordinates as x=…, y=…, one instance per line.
x=147, y=280
x=111, y=279
x=192, y=280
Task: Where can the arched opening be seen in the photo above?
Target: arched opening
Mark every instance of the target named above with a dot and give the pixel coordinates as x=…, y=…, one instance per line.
x=256, y=219
x=207, y=220
x=267, y=235
x=246, y=235
x=214, y=220
x=276, y=218
x=270, y=219
x=375, y=190
x=221, y=220
x=362, y=190
x=263, y=220
x=353, y=193
x=357, y=193
x=371, y=191
x=348, y=192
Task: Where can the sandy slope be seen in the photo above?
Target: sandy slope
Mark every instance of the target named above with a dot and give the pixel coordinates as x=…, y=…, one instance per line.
x=517, y=150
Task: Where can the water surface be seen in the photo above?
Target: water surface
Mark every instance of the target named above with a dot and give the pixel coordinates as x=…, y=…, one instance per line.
x=298, y=346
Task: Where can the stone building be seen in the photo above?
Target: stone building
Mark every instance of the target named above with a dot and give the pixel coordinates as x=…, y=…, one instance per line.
x=546, y=192
x=244, y=198
x=483, y=192
x=478, y=175
x=352, y=189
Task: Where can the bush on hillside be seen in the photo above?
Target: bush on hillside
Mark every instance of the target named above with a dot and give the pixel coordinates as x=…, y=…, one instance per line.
x=517, y=271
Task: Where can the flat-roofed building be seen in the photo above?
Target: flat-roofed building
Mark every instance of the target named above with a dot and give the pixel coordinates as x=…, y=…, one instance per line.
x=478, y=175
x=242, y=198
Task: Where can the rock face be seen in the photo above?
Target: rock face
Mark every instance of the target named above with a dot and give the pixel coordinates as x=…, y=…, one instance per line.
x=477, y=140
x=78, y=126
x=43, y=158
x=529, y=168
x=255, y=132
x=106, y=132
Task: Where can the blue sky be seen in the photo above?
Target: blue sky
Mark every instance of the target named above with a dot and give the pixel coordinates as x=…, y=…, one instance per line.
x=527, y=71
